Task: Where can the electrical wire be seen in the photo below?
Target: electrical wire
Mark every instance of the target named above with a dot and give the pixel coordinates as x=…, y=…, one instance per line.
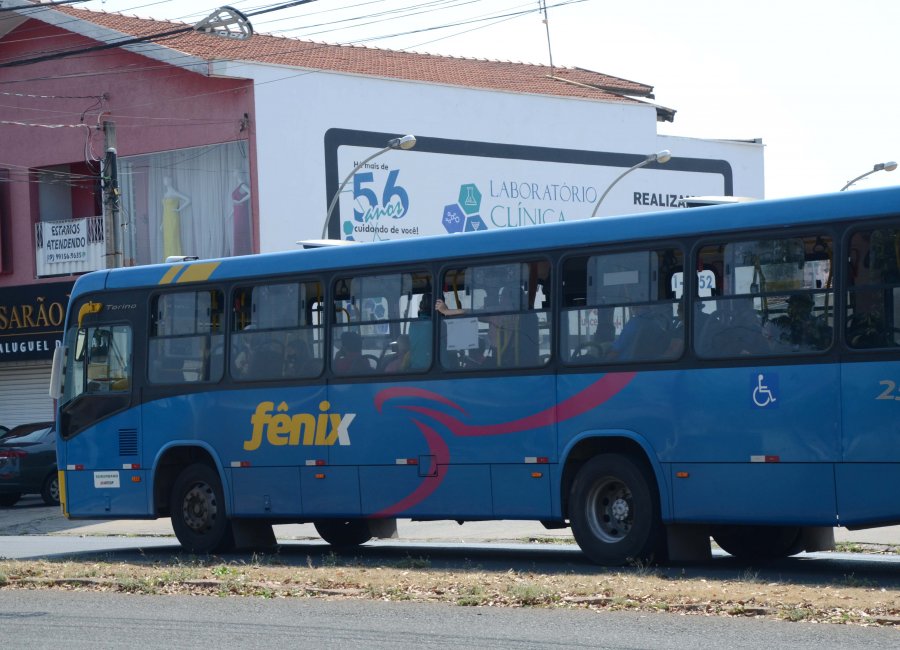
x=497, y=17
x=492, y=18
x=305, y=46
x=122, y=42
x=43, y=5
x=43, y=126
x=417, y=9
x=372, y=19
x=51, y=96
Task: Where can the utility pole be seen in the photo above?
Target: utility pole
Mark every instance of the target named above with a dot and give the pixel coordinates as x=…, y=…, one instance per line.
x=110, y=184
x=542, y=4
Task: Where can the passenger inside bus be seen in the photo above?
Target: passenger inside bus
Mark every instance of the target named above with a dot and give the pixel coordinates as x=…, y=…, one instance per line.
x=503, y=329
x=350, y=360
x=799, y=329
x=298, y=362
x=266, y=359
x=643, y=337
x=603, y=339
x=676, y=334
x=506, y=345
x=733, y=329
x=400, y=362
x=241, y=358
x=420, y=336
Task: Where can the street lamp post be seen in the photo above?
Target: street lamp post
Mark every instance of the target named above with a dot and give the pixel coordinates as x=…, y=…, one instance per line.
x=660, y=157
x=885, y=166
x=406, y=142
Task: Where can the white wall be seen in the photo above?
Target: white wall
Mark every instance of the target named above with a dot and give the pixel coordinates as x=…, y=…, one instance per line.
x=746, y=159
x=295, y=109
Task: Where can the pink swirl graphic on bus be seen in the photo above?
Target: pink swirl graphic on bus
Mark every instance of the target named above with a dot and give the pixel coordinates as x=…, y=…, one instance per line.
x=591, y=397
x=441, y=454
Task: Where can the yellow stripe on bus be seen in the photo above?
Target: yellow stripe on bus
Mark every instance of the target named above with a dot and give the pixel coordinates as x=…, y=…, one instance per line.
x=198, y=272
x=62, y=493
x=171, y=273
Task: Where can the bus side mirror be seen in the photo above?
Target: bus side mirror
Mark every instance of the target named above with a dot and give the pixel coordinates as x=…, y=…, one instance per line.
x=57, y=371
x=80, y=340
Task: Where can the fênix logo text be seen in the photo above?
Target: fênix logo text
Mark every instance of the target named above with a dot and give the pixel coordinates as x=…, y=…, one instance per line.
x=309, y=429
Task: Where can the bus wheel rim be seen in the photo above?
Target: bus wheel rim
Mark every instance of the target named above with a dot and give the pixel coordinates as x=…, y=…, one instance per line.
x=199, y=507
x=611, y=510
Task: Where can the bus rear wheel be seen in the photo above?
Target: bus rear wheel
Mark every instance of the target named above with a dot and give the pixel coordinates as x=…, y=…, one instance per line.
x=614, y=511
x=197, y=507
x=344, y=532
x=758, y=542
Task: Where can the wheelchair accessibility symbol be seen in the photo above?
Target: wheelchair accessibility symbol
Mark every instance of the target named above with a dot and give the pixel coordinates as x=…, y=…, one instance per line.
x=764, y=391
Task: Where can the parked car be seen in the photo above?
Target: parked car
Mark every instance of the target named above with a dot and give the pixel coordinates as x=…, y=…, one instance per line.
x=28, y=463
x=22, y=429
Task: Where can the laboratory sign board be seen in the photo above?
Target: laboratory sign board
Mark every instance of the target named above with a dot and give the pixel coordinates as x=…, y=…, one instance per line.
x=446, y=186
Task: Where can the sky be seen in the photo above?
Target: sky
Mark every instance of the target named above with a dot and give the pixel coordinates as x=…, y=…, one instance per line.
x=814, y=79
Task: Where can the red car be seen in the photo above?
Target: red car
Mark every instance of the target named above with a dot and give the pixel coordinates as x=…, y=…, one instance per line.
x=28, y=463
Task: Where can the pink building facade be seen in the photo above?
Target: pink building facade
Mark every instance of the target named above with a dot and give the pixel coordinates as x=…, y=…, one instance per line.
x=185, y=161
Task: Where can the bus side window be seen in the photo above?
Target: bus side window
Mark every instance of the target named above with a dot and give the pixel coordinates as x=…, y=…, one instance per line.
x=382, y=324
x=623, y=307
x=276, y=331
x=496, y=317
x=186, y=340
x=873, y=295
x=770, y=296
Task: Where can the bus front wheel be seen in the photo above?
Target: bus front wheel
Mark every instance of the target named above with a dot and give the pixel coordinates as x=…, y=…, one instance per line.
x=344, y=532
x=198, y=514
x=614, y=511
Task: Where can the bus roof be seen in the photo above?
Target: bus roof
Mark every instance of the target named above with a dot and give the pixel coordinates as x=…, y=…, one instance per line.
x=633, y=227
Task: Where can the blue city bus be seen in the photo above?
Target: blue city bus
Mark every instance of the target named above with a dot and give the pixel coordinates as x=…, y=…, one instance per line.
x=651, y=380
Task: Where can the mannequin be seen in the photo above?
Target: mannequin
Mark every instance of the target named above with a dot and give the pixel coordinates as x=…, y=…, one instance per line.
x=173, y=204
x=240, y=198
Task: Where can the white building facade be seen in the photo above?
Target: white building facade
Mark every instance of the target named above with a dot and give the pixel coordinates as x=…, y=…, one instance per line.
x=483, y=159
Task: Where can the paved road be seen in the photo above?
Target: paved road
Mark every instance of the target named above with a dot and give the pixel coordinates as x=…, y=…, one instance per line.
x=47, y=618
x=91, y=620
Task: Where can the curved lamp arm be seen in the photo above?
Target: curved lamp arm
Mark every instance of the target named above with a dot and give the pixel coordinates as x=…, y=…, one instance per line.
x=406, y=142
x=886, y=166
x=661, y=157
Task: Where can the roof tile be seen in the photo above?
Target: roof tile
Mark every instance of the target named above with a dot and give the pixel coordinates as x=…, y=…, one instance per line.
x=352, y=59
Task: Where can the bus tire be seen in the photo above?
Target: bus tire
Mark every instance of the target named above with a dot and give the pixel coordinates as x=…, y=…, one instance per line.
x=197, y=507
x=758, y=542
x=343, y=532
x=50, y=489
x=614, y=511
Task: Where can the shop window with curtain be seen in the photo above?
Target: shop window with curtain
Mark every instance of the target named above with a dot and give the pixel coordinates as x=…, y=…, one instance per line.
x=187, y=202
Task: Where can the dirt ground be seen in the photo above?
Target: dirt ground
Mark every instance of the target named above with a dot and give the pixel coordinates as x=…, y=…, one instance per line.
x=848, y=601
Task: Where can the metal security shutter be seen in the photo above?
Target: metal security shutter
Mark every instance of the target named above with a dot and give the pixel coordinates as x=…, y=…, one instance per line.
x=23, y=394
